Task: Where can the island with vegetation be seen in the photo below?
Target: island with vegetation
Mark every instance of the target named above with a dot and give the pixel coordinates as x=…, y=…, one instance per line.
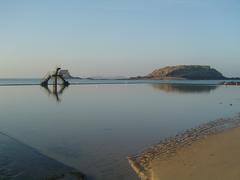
x=183, y=72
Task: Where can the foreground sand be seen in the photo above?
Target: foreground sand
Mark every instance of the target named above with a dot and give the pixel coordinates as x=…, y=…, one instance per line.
x=208, y=152
x=216, y=157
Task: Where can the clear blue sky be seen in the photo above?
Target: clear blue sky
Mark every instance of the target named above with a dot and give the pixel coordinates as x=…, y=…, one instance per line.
x=117, y=37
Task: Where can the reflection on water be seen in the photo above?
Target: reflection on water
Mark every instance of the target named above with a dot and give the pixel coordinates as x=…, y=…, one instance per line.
x=55, y=91
x=179, y=88
x=95, y=128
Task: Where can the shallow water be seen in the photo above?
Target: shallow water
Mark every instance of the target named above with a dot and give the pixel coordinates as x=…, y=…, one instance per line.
x=21, y=162
x=14, y=82
x=94, y=127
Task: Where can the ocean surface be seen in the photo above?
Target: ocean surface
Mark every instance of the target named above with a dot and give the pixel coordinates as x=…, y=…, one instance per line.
x=22, y=82
x=93, y=125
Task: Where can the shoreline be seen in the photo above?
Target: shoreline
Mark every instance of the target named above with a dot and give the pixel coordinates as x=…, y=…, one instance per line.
x=19, y=161
x=168, y=148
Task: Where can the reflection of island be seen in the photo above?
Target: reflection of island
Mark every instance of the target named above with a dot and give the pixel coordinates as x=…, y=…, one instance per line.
x=180, y=88
x=55, y=91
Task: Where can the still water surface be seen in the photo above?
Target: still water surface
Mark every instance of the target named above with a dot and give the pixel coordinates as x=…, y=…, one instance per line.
x=94, y=127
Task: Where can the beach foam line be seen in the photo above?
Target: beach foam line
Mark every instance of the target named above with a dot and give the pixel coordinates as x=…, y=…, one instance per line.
x=141, y=163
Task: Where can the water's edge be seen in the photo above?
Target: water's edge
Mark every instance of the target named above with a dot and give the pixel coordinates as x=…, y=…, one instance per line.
x=168, y=147
x=20, y=161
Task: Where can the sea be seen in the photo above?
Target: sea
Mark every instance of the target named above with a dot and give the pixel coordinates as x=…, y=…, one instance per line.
x=92, y=126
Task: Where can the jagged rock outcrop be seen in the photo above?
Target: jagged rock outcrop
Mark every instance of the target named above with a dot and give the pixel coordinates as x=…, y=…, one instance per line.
x=67, y=75
x=194, y=72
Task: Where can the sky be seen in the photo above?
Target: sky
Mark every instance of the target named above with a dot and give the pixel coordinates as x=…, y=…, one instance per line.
x=117, y=37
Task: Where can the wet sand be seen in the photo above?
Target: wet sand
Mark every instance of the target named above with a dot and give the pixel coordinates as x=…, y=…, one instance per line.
x=207, y=152
x=216, y=158
x=19, y=161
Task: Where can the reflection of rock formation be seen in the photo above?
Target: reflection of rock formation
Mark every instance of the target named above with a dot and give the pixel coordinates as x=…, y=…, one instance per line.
x=183, y=88
x=55, y=91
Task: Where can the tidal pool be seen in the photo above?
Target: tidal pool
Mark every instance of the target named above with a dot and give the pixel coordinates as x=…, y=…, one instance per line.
x=94, y=127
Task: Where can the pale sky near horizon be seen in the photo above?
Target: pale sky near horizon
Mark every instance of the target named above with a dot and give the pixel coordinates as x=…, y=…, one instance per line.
x=112, y=38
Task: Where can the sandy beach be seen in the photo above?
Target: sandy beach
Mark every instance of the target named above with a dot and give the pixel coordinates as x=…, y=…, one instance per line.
x=216, y=158
x=210, y=153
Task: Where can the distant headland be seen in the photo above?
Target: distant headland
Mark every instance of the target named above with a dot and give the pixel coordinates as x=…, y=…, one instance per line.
x=185, y=72
x=178, y=72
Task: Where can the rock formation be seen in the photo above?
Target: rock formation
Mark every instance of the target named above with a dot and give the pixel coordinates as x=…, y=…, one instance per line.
x=191, y=72
x=194, y=72
x=66, y=75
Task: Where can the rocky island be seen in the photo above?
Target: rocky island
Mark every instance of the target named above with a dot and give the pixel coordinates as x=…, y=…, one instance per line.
x=66, y=74
x=191, y=72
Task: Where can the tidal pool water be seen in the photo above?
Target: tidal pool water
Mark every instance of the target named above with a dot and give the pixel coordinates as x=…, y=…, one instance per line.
x=93, y=127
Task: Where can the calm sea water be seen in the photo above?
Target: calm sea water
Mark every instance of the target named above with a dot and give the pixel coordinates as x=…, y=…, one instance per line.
x=94, y=126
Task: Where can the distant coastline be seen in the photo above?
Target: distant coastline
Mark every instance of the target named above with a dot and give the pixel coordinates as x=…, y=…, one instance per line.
x=178, y=72
x=186, y=72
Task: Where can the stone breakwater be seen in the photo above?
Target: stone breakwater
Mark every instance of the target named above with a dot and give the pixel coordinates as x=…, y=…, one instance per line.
x=166, y=148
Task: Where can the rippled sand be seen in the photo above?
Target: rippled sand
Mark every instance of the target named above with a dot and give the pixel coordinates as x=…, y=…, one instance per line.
x=210, y=151
x=216, y=158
